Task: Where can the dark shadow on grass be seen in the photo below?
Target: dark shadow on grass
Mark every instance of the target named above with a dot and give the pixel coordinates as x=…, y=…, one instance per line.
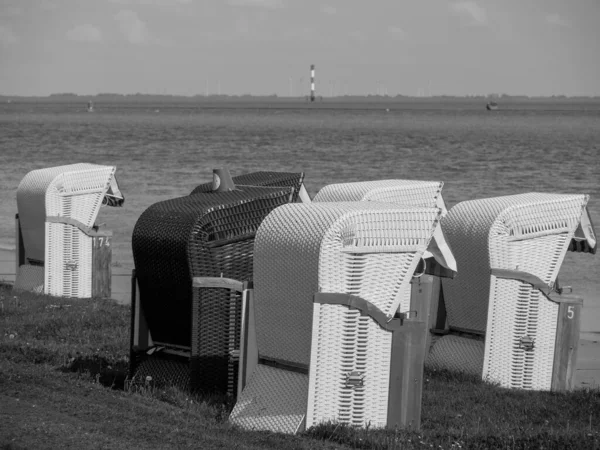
x=449, y=376
x=112, y=375
x=116, y=376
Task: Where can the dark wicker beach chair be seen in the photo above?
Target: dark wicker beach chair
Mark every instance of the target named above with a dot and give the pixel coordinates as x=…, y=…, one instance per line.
x=273, y=179
x=192, y=256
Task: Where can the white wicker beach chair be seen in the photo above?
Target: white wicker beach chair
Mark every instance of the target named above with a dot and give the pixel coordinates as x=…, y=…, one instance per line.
x=509, y=251
x=330, y=345
x=427, y=194
x=57, y=210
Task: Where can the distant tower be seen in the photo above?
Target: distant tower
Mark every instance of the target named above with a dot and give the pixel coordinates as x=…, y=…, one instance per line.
x=312, y=83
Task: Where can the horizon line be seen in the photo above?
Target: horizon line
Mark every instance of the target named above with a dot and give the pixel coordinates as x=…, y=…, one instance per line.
x=321, y=97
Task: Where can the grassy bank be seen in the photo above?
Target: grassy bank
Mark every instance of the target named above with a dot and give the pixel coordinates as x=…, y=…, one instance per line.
x=62, y=385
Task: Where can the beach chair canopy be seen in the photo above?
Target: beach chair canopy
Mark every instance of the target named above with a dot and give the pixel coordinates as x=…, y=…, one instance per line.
x=69, y=194
x=402, y=192
x=307, y=351
x=262, y=178
x=427, y=194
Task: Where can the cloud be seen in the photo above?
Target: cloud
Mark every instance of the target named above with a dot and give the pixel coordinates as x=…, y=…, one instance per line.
x=269, y=4
x=15, y=8
x=557, y=20
x=85, y=33
x=305, y=34
x=358, y=36
x=7, y=37
x=471, y=11
x=242, y=25
x=47, y=5
x=328, y=9
x=132, y=27
x=11, y=11
x=396, y=32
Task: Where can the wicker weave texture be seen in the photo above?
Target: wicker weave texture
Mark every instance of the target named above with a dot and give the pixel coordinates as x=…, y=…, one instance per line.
x=215, y=339
x=458, y=354
x=369, y=249
x=177, y=239
x=262, y=178
x=529, y=233
x=79, y=194
x=74, y=191
x=273, y=400
x=344, y=342
x=201, y=235
x=518, y=311
x=402, y=192
x=365, y=248
x=160, y=370
x=68, y=266
x=479, y=233
x=30, y=278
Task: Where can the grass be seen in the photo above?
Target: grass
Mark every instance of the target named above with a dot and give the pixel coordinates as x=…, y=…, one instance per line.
x=62, y=385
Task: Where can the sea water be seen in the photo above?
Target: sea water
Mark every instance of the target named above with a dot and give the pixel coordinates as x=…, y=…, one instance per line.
x=163, y=151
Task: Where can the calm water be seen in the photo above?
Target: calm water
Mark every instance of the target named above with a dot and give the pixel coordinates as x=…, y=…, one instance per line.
x=164, y=151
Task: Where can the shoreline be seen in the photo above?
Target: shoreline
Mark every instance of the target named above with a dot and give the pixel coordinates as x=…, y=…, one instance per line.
x=120, y=268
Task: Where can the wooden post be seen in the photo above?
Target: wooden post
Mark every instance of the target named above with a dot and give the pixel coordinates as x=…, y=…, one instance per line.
x=101, y=260
x=567, y=343
x=438, y=317
x=248, y=346
x=410, y=344
x=420, y=298
x=141, y=337
x=406, y=375
x=19, y=246
x=427, y=303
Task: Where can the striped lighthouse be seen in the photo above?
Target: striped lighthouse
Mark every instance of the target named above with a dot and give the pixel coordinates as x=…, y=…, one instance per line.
x=312, y=83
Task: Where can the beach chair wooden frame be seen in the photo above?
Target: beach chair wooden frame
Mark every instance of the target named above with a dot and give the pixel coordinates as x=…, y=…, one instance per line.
x=509, y=320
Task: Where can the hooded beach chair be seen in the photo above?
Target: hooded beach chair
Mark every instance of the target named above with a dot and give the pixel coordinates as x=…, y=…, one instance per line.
x=418, y=193
x=325, y=340
x=57, y=236
x=266, y=179
x=401, y=192
x=509, y=320
x=192, y=256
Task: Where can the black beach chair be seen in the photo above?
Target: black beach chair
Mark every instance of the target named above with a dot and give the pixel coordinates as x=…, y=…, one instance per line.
x=193, y=259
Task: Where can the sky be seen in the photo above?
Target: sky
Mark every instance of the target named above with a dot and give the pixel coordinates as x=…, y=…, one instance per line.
x=266, y=47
